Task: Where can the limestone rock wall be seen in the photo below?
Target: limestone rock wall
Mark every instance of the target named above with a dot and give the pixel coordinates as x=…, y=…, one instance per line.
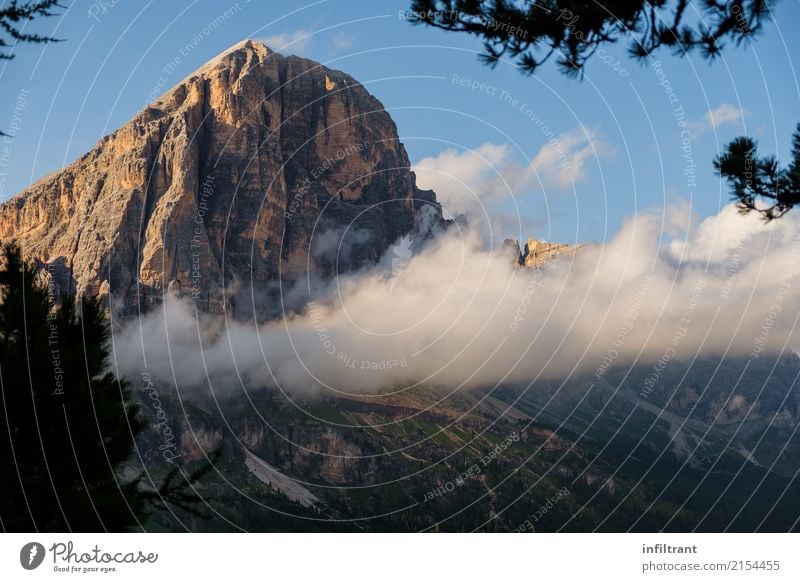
x=224, y=186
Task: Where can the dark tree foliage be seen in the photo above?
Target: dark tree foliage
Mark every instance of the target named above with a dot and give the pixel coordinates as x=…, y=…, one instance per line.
x=67, y=425
x=15, y=15
x=531, y=32
x=759, y=184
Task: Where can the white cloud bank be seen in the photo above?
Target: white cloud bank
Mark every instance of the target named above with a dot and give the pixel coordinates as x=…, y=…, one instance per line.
x=460, y=316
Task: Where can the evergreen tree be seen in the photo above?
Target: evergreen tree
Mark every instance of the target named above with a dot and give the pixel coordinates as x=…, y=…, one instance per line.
x=67, y=423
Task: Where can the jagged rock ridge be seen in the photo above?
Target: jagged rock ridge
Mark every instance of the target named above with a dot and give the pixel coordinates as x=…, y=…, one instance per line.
x=537, y=252
x=254, y=170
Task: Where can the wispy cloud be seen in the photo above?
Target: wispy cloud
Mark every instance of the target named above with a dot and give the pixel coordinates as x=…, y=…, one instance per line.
x=465, y=182
x=725, y=114
x=294, y=42
x=341, y=41
x=562, y=161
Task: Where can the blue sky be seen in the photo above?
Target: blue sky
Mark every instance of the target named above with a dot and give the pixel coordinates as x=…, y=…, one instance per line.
x=617, y=129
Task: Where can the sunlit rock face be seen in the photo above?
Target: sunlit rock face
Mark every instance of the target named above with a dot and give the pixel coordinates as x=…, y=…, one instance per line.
x=256, y=170
x=536, y=252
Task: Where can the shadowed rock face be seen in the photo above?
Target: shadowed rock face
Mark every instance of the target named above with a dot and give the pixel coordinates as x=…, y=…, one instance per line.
x=254, y=171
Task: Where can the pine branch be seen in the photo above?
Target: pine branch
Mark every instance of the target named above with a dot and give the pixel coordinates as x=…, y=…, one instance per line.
x=529, y=32
x=14, y=18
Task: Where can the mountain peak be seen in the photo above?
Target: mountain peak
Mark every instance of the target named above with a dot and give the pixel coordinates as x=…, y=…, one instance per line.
x=247, y=46
x=246, y=174
x=242, y=57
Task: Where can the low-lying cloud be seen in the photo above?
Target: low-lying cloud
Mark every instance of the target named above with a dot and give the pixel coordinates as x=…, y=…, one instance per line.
x=459, y=315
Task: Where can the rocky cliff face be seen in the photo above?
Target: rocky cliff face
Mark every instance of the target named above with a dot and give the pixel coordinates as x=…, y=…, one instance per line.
x=256, y=169
x=537, y=252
